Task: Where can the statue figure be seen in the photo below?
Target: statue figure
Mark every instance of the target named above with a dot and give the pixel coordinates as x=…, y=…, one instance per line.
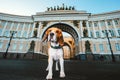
x=66, y=8
x=51, y=9
x=57, y=7
x=54, y=7
x=73, y=8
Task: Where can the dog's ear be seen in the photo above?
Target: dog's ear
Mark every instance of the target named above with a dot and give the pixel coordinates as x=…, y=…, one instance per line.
x=45, y=36
x=60, y=38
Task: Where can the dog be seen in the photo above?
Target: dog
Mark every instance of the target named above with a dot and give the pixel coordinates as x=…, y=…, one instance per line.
x=55, y=51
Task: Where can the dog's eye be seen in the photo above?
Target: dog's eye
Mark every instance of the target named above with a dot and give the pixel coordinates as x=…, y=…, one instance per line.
x=49, y=31
x=57, y=31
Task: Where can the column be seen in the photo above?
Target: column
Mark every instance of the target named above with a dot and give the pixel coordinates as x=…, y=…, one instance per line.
x=17, y=26
x=99, y=25
x=116, y=32
x=33, y=29
x=93, y=26
x=11, y=26
x=1, y=29
x=87, y=24
x=38, y=30
x=28, y=30
x=4, y=28
x=17, y=29
x=22, y=30
x=109, y=35
x=81, y=28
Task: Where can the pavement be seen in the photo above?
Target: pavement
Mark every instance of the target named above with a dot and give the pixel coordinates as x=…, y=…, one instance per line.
x=13, y=69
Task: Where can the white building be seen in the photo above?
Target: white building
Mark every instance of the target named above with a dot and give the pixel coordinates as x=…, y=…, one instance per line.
x=88, y=31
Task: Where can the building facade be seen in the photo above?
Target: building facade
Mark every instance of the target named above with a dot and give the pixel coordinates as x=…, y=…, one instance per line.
x=88, y=30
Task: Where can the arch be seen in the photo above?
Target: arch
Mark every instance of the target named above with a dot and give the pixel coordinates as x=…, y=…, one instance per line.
x=65, y=26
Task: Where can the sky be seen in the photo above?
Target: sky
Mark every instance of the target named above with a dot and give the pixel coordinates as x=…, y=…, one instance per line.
x=30, y=7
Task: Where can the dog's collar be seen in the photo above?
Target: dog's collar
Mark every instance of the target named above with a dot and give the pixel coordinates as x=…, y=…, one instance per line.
x=56, y=47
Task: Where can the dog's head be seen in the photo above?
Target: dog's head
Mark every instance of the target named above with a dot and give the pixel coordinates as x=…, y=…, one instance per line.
x=54, y=35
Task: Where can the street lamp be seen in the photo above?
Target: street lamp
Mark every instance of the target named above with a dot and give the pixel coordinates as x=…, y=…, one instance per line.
x=113, y=58
x=12, y=33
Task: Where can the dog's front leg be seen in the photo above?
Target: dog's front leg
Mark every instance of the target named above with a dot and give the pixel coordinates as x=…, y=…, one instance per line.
x=62, y=73
x=47, y=65
x=57, y=69
x=50, y=64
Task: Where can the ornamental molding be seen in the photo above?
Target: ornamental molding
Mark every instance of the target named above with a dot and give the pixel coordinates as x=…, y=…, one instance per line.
x=16, y=18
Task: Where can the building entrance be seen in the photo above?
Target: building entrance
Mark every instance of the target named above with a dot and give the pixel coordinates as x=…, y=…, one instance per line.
x=71, y=43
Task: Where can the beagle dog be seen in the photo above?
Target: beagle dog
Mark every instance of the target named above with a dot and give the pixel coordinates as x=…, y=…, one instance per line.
x=55, y=51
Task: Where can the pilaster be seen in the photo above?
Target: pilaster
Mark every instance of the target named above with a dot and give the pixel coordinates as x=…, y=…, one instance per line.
x=115, y=29
x=33, y=29
x=4, y=28
x=109, y=35
x=99, y=25
x=87, y=24
x=93, y=26
x=81, y=28
x=22, y=30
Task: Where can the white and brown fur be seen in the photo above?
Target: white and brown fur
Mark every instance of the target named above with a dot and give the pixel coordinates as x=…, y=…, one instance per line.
x=55, y=38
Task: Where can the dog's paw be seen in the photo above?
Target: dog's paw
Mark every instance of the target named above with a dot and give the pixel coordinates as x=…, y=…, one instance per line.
x=57, y=69
x=62, y=75
x=47, y=69
x=49, y=77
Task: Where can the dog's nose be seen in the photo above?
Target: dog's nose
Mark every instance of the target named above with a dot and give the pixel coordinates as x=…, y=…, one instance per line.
x=51, y=34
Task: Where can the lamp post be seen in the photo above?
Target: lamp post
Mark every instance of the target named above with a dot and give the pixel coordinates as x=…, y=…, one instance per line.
x=113, y=58
x=12, y=33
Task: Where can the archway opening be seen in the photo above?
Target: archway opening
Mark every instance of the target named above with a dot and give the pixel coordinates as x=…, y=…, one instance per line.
x=72, y=38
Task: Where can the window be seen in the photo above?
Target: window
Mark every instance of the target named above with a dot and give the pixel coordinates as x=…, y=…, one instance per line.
x=90, y=24
x=112, y=33
x=37, y=25
x=1, y=43
x=3, y=23
x=6, y=46
x=117, y=46
x=119, y=32
x=108, y=47
x=15, y=34
x=8, y=25
x=102, y=23
x=21, y=26
x=116, y=22
x=101, y=47
x=0, y=31
x=95, y=24
x=27, y=46
x=14, y=46
x=21, y=47
x=109, y=23
x=15, y=25
x=25, y=34
x=18, y=33
x=94, y=47
x=7, y=33
x=97, y=34
x=91, y=33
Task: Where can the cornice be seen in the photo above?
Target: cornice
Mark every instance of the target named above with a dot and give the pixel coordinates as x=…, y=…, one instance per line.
x=107, y=13
x=19, y=18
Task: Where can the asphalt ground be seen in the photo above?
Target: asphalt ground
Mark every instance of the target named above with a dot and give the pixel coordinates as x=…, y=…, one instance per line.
x=75, y=70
